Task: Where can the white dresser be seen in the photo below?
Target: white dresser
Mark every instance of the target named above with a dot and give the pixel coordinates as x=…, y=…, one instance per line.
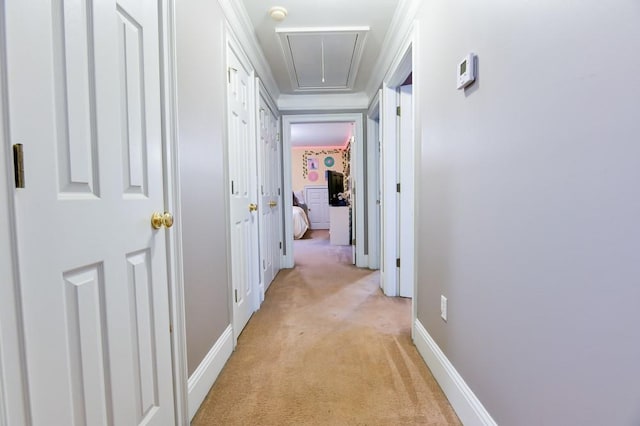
x=339, y=225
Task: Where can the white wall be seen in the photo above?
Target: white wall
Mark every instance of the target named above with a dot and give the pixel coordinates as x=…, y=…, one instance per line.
x=529, y=205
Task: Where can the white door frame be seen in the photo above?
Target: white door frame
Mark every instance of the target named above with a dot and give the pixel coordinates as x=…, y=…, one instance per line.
x=373, y=181
x=404, y=63
x=357, y=152
x=406, y=198
x=14, y=407
x=172, y=198
x=13, y=385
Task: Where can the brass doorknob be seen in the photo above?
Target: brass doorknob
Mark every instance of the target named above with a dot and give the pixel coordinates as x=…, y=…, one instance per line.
x=167, y=219
x=253, y=207
x=158, y=220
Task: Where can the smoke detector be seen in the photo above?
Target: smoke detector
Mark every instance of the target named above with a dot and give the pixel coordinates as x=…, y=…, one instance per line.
x=278, y=13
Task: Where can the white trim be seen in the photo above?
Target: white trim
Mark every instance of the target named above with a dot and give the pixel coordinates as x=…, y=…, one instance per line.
x=465, y=403
x=267, y=98
x=324, y=102
x=396, y=35
x=357, y=171
x=373, y=184
x=241, y=26
x=208, y=371
x=287, y=120
x=347, y=29
x=388, y=213
x=417, y=146
x=258, y=294
x=175, y=274
x=14, y=403
x=394, y=77
x=286, y=254
x=373, y=110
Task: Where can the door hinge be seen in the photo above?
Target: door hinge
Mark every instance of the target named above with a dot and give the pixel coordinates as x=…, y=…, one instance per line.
x=170, y=328
x=18, y=165
x=262, y=189
x=280, y=245
x=278, y=191
x=353, y=242
x=236, y=295
x=264, y=264
x=397, y=187
x=397, y=262
x=232, y=190
x=398, y=111
x=229, y=73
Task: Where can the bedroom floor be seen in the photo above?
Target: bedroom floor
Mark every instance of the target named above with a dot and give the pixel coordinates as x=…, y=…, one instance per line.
x=315, y=247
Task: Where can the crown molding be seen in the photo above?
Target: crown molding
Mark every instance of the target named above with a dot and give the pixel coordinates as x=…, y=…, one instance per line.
x=396, y=37
x=241, y=26
x=324, y=102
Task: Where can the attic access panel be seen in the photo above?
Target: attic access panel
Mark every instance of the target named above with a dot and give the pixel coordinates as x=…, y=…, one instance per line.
x=314, y=53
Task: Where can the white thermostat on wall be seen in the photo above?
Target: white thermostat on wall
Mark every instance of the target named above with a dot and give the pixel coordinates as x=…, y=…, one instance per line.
x=467, y=71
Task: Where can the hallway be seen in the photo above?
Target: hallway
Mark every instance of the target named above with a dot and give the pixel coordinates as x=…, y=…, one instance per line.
x=326, y=348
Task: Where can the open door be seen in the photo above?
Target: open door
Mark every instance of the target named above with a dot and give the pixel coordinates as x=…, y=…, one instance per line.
x=84, y=102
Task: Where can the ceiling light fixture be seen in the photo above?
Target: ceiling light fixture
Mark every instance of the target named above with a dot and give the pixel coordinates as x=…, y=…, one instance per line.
x=278, y=13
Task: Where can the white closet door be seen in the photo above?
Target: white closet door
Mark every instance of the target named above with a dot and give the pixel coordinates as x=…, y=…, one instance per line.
x=84, y=100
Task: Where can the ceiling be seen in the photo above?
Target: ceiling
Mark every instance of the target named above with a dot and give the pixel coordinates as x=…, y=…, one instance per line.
x=315, y=135
x=339, y=40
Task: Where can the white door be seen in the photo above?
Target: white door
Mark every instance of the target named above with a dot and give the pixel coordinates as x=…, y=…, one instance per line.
x=243, y=181
x=84, y=100
x=317, y=199
x=269, y=165
x=406, y=194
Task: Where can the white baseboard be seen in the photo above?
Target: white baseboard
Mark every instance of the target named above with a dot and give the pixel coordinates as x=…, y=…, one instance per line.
x=207, y=372
x=466, y=405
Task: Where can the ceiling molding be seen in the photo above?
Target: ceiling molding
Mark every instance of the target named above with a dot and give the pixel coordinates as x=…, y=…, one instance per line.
x=324, y=102
x=240, y=24
x=397, y=35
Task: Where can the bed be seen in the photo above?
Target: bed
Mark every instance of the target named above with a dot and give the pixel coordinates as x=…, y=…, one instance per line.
x=300, y=218
x=300, y=222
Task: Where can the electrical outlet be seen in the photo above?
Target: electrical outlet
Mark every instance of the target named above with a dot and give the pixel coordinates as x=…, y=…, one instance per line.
x=443, y=307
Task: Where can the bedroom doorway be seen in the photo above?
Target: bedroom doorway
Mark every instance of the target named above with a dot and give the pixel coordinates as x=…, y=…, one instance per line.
x=332, y=143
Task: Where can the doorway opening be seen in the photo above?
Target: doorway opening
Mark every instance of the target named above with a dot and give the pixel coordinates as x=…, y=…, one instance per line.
x=323, y=162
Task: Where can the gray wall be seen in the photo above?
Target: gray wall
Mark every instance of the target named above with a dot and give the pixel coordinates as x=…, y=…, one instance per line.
x=201, y=92
x=529, y=205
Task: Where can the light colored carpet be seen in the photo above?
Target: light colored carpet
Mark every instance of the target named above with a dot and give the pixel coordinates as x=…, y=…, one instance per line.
x=326, y=348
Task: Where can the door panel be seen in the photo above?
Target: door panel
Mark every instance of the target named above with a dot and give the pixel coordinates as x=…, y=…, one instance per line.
x=269, y=155
x=243, y=182
x=84, y=98
x=318, y=204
